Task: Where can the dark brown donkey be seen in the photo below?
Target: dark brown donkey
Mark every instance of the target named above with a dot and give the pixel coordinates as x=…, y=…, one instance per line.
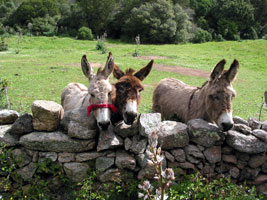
x=212, y=102
x=126, y=93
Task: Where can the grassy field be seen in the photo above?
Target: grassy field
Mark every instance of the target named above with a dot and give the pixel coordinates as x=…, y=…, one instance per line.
x=43, y=66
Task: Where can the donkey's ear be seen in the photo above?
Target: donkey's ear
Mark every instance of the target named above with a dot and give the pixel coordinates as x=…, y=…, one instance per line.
x=232, y=72
x=109, y=66
x=142, y=73
x=217, y=71
x=117, y=73
x=86, y=68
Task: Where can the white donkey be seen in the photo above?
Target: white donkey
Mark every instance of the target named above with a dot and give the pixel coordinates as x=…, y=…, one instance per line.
x=96, y=98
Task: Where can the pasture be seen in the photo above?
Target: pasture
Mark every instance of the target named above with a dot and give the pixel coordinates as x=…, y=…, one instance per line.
x=40, y=68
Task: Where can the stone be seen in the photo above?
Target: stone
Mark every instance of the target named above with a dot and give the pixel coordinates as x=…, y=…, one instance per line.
x=103, y=163
x=8, y=116
x=172, y=134
x=234, y=172
x=142, y=159
x=248, y=174
x=264, y=167
x=223, y=168
x=127, y=144
x=264, y=126
x=256, y=161
x=125, y=160
x=193, y=151
x=242, y=156
x=114, y=175
x=262, y=188
x=27, y=172
x=208, y=169
x=227, y=150
x=66, y=157
x=229, y=159
x=81, y=157
x=241, y=164
x=46, y=115
x=124, y=130
x=79, y=125
x=213, y=154
x=147, y=172
x=242, y=129
x=169, y=156
x=108, y=140
x=192, y=159
x=43, y=156
x=260, y=134
x=138, y=146
x=56, y=142
x=254, y=123
x=261, y=178
x=179, y=155
x=76, y=171
x=6, y=137
x=21, y=157
x=187, y=165
x=22, y=125
x=243, y=143
x=149, y=123
x=239, y=120
x=204, y=133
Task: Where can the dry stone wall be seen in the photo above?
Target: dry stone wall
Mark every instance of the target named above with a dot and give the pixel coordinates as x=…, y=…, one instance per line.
x=121, y=152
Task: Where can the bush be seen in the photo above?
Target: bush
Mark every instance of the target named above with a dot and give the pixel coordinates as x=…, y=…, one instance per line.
x=85, y=33
x=218, y=37
x=44, y=26
x=202, y=36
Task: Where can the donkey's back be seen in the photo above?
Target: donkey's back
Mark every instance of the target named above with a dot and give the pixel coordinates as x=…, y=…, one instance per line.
x=171, y=97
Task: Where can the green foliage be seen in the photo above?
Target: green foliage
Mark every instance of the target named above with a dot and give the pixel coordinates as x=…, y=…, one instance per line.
x=85, y=33
x=46, y=26
x=3, y=88
x=100, y=45
x=202, y=36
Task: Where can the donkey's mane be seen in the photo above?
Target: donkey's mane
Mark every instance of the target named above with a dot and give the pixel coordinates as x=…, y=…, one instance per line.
x=130, y=71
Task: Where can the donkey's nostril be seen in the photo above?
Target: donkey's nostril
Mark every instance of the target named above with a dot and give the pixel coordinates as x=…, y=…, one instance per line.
x=130, y=117
x=227, y=126
x=104, y=125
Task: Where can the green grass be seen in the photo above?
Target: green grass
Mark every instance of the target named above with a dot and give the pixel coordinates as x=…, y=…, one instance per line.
x=45, y=65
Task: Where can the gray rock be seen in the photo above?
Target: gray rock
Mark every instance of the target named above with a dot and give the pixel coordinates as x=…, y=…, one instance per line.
x=192, y=150
x=81, y=157
x=241, y=164
x=172, y=135
x=108, y=140
x=264, y=167
x=260, y=134
x=239, y=120
x=179, y=155
x=227, y=150
x=22, y=125
x=208, y=169
x=223, y=168
x=147, y=172
x=213, y=154
x=149, y=123
x=242, y=128
x=229, y=159
x=142, y=159
x=55, y=141
x=48, y=155
x=21, y=157
x=138, y=146
x=46, y=115
x=127, y=144
x=103, y=163
x=187, y=165
x=115, y=175
x=192, y=159
x=79, y=125
x=76, y=171
x=66, y=157
x=8, y=116
x=264, y=126
x=261, y=178
x=169, y=156
x=234, y=172
x=27, y=172
x=204, y=133
x=256, y=161
x=125, y=160
x=125, y=130
x=6, y=137
x=242, y=156
x=248, y=174
x=243, y=143
x=254, y=123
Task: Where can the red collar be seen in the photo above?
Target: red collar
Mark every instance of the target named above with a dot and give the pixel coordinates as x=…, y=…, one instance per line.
x=91, y=107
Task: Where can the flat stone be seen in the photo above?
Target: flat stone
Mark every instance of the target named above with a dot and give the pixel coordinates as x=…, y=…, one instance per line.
x=124, y=130
x=256, y=161
x=48, y=155
x=6, y=137
x=242, y=129
x=56, y=142
x=66, y=157
x=125, y=160
x=239, y=120
x=172, y=135
x=114, y=175
x=21, y=157
x=27, y=172
x=213, y=154
x=179, y=155
x=76, y=171
x=81, y=157
x=227, y=150
x=204, y=133
x=260, y=134
x=138, y=146
x=243, y=143
x=46, y=115
x=103, y=163
x=149, y=123
x=108, y=140
x=241, y=164
x=229, y=159
x=264, y=126
x=242, y=156
x=193, y=151
x=254, y=123
x=8, y=116
x=127, y=144
x=169, y=156
x=248, y=174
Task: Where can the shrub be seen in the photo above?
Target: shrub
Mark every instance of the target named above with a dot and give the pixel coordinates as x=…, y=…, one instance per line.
x=100, y=45
x=85, y=33
x=44, y=26
x=218, y=37
x=202, y=36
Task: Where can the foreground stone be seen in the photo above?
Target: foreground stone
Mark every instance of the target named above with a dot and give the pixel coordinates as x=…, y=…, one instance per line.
x=125, y=130
x=8, y=116
x=6, y=137
x=260, y=134
x=125, y=160
x=76, y=171
x=103, y=163
x=56, y=142
x=108, y=140
x=22, y=125
x=148, y=123
x=46, y=115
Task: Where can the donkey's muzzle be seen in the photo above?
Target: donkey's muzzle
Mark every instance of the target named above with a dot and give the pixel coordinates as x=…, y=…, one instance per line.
x=104, y=125
x=227, y=126
x=130, y=117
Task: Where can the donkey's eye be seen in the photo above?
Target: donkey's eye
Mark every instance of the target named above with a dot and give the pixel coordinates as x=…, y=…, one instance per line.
x=92, y=95
x=140, y=89
x=109, y=93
